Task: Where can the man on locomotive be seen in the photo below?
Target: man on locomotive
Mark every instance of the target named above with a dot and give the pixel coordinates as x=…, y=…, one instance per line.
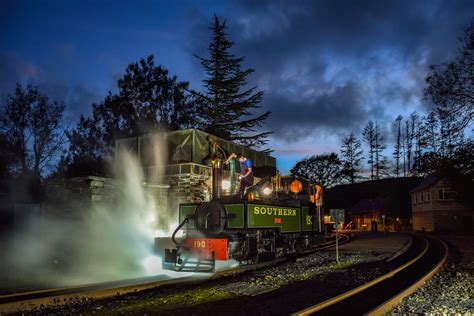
x=246, y=174
x=231, y=162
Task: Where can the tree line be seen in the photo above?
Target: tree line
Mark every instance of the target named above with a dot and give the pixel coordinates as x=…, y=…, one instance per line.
x=148, y=100
x=435, y=143
x=35, y=141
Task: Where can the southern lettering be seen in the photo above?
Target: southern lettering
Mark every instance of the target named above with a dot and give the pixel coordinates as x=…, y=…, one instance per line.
x=277, y=211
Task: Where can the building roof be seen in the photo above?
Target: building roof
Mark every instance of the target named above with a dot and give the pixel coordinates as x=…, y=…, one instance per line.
x=425, y=183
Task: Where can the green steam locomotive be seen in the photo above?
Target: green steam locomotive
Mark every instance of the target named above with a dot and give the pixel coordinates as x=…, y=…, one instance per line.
x=274, y=219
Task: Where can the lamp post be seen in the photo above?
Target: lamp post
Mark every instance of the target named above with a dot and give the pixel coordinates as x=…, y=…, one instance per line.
x=383, y=223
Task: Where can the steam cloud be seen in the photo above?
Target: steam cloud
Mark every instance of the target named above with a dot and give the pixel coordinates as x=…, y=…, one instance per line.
x=109, y=242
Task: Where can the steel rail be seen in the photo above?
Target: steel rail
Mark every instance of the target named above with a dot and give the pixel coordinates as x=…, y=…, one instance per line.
x=346, y=295
x=391, y=302
x=27, y=301
x=402, y=250
x=48, y=298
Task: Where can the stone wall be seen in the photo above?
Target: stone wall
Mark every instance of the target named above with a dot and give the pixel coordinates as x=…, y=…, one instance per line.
x=77, y=197
x=423, y=221
x=453, y=221
x=168, y=186
x=188, y=183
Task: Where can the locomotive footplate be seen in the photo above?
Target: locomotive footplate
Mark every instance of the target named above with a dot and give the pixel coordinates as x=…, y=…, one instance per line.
x=186, y=261
x=196, y=255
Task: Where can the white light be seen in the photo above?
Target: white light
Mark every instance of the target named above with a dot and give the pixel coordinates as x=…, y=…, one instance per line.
x=225, y=184
x=267, y=190
x=163, y=233
x=152, y=265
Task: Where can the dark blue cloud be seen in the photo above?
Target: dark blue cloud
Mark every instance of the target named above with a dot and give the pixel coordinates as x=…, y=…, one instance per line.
x=333, y=65
x=326, y=67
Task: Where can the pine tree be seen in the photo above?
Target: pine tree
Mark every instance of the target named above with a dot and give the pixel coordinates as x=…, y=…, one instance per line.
x=431, y=131
x=415, y=123
x=381, y=163
x=369, y=137
x=408, y=147
x=397, y=148
x=351, y=157
x=225, y=108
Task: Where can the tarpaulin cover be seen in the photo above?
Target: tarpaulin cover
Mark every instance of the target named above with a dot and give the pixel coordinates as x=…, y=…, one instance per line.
x=190, y=145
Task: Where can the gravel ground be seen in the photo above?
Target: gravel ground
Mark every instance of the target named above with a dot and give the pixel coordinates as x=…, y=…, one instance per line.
x=451, y=290
x=305, y=268
x=279, y=289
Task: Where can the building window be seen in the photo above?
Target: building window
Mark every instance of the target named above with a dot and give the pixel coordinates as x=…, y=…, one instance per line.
x=446, y=194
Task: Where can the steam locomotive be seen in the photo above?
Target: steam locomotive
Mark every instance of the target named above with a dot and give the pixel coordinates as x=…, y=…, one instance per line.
x=271, y=221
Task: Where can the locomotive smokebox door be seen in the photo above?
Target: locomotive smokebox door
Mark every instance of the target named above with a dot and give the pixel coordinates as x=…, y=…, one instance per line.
x=210, y=217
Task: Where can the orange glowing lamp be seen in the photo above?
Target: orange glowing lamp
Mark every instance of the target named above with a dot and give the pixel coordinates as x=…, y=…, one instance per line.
x=296, y=186
x=250, y=197
x=319, y=195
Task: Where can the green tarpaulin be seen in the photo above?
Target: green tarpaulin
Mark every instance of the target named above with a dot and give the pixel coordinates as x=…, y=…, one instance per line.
x=185, y=146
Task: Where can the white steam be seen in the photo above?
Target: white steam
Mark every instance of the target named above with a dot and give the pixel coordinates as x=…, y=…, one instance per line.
x=108, y=242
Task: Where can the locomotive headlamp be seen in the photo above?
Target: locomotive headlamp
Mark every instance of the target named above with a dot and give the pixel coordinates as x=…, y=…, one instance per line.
x=225, y=184
x=296, y=186
x=267, y=190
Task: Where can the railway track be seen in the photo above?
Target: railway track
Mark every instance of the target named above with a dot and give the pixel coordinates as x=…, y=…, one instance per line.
x=27, y=301
x=380, y=295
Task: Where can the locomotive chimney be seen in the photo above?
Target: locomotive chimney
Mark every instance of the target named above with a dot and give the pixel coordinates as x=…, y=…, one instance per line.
x=216, y=160
x=216, y=178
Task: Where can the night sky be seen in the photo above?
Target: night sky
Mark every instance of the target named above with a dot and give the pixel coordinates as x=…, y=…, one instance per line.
x=326, y=67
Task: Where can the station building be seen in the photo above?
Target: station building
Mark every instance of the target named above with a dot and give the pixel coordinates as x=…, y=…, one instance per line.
x=436, y=207
x=364, y=212
x=379, y=201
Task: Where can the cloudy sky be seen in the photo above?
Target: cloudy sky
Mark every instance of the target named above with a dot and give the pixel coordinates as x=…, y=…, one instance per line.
x=326, y=67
